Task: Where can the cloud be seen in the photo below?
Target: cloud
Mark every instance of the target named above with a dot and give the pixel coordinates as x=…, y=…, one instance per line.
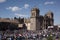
x=15, y=8
x=1, y=1
x=49, y=3
x=20, y=15
x=26, y=5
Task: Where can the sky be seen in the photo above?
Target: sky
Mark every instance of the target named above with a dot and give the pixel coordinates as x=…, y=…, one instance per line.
x=22, y=8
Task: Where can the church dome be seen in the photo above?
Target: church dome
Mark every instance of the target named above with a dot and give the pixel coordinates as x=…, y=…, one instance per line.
x=50, y=12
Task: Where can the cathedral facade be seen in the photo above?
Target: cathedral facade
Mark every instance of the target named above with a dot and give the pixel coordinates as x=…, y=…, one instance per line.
x=39, y=22
x=35, y=22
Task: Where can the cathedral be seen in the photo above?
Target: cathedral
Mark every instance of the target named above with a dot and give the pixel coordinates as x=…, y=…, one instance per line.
x=35, y=22
x=39, y=22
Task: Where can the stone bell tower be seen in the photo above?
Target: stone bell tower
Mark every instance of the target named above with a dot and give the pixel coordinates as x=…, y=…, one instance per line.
x=48, y=19
x=34, y=19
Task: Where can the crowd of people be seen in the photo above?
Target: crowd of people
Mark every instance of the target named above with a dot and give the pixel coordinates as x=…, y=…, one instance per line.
x=25, y=35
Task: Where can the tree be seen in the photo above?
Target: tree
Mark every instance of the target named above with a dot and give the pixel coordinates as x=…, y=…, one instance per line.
x=15, y=18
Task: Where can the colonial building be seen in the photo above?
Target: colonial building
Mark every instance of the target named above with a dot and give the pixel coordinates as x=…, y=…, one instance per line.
x=39, y=22
x=35, y=22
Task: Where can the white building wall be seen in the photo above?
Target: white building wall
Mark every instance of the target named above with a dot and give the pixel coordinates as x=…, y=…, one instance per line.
x=28, y=26
x=33, y=24
x=20, y=25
